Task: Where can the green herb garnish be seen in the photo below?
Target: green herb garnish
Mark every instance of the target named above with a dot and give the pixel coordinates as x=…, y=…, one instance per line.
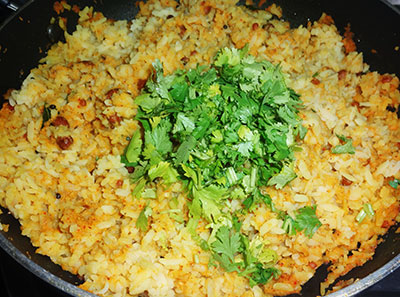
x=256, y=263
x=306, y=220
x=346, y=148
x=46, y=115
x=142, y=221
x=366, y=210
x=394, y=183
x=224, y=131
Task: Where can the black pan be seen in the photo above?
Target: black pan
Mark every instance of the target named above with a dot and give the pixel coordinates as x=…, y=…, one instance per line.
x=25, y=38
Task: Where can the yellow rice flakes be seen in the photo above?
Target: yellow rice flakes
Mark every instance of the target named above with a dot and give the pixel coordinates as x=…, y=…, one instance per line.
x=92, y=80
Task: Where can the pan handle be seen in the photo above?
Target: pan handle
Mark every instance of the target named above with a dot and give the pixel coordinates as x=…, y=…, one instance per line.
x=12, y=5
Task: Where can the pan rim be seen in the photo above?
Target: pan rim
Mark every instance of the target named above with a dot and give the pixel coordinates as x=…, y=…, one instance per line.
x=15, y=13
x=39, y=271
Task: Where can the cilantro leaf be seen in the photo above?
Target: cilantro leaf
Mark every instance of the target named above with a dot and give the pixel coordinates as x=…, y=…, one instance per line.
x=183, y=152
x=223, y=130
x=179, y=91
x=210, y=199
x=158, y=139
x=225, y=248
x=307, y=220
x=147, y=102
x=142, y=221
x=134, y=147
x=183, y=123
x=137, y=191
x=283, y=178
x=394, y=183
x=346, y=148
x=164, y=170
x=262, y=275
x=46, y=115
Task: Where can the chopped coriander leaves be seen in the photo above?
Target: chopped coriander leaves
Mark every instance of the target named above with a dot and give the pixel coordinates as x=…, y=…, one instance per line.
x=224, y=131
x=134, y=148
x=142, y=221
x=361, y=216
x=226, y=247
x=282, y=178
x=256, y=262
x=394, y=183
x=345, y=148
x=306, y=220
x=46, y=115
x=315, y=74
x=367, y=210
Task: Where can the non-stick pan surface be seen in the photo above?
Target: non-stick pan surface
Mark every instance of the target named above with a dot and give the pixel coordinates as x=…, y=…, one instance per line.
x=26, y=37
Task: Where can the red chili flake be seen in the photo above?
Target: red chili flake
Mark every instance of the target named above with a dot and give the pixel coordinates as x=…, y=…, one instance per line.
x=10, y=107
x=130, y=169
x=315, y=81
x=374, y=51
x=185, y=60
x=385, y=224
x=398, y=145
x=119, y=183
x=326, y=147
x=141, y=83
x=64, y=142
x=111, y=92
x=312, y=265
x=114, y=119
x=342, y=74
x=254, y=26
x=82, y=103
x=355, y=103
x=193, y=53
x=25, y=136
x=60, y=121
x=386, y=78
x=345, y=181
x=207, y=9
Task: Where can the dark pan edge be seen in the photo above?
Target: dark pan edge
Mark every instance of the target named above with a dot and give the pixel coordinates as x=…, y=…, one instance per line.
x=14, y=14
x=39, y=271
x=369, y=280
x=391, y=6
